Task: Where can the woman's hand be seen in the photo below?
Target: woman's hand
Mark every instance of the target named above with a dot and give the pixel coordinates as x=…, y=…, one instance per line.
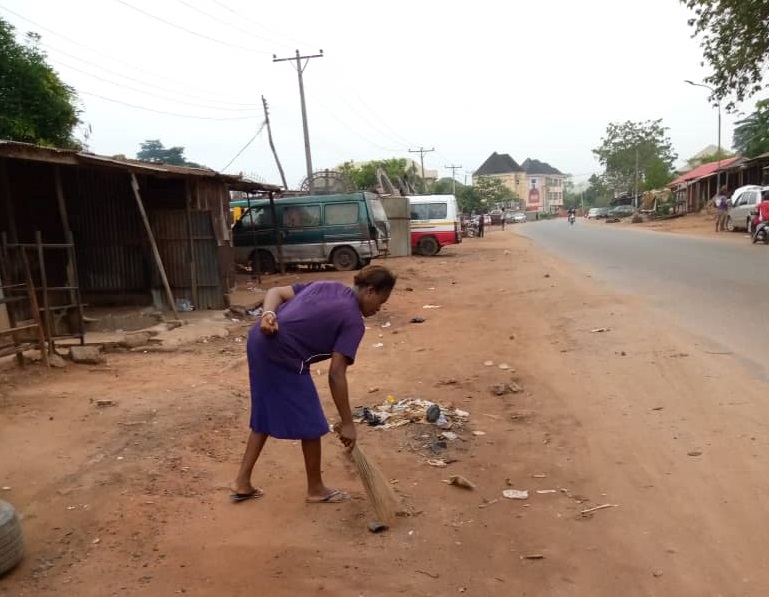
x=269, y=324
x=347, y=434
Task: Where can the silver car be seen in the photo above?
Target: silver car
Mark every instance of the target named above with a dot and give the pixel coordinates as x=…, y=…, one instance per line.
x=743, y=201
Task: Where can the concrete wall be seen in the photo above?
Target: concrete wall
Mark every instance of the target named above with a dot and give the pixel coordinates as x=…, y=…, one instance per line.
x=397, y=210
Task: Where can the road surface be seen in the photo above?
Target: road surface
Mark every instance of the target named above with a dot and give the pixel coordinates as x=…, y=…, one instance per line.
x=716, y=288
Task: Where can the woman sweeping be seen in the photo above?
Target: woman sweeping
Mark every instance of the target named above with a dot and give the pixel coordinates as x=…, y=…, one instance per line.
x=303, y=324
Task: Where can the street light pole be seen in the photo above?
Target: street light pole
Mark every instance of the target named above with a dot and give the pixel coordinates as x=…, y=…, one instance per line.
x=718, y=105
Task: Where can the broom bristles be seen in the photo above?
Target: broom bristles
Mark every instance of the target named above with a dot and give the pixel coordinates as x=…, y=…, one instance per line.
x=377, y=487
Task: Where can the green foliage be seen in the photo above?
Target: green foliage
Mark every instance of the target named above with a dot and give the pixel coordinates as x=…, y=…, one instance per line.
x=152, y=150
x=469, y=199
x=630, y=144
x=364, y=176
x=735, y=44
x=493, y=191
x=35, y=105
x=751, y=134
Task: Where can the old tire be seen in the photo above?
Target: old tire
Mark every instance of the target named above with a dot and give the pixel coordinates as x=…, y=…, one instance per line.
x=11, y=540
x=344, y=259
x=428, y=246
x=266, y=262
x=729, y=224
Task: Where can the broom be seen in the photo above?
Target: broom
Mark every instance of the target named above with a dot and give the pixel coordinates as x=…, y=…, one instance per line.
x=378, y=488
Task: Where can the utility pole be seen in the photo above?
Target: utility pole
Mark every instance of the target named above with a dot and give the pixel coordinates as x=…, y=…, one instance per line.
x=299, y=66
x=453, y=180
x=635, y=197
x=272, y=145
x=422, y=151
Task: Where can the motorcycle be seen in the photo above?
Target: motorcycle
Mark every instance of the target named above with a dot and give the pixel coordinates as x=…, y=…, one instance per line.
x=572, y=219
x=760, y=231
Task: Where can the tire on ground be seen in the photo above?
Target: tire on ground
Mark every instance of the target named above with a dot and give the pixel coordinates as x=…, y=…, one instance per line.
x=11, y=540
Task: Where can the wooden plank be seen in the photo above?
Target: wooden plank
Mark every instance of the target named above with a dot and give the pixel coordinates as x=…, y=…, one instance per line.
x=193, y=257
x=44, y=289
x=35, y=311
x=153, y=244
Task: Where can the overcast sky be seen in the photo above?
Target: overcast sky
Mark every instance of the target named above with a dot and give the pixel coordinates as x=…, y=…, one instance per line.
x=532, y=79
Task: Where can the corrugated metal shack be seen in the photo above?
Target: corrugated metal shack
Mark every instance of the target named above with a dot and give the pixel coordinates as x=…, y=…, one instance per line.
x=111, y=232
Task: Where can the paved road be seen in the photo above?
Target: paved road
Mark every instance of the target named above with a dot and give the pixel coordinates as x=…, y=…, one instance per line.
x=716, y=288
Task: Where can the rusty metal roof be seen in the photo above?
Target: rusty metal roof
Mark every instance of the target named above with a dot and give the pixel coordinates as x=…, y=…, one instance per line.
x=72, y=157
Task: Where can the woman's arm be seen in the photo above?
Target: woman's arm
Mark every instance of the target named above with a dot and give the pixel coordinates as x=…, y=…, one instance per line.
x=272, y=300
x=337, y=383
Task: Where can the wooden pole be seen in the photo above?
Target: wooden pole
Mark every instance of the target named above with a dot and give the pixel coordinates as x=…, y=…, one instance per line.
x=153, y=244
x=44, y=289
x=34, y=306
x=71, y=279
x=193, y=260
x=272, y=145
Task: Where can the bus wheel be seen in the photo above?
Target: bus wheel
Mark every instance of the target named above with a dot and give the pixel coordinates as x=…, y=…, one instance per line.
x=427, y=245
x=266, y=262
x=344, y=259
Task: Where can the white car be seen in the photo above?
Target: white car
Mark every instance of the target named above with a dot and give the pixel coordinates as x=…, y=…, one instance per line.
x=743, y=201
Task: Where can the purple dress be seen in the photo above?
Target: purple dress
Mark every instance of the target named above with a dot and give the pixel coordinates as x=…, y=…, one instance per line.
x=322, y=318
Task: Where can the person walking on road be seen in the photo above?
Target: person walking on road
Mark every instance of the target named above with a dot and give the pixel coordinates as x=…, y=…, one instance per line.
x=301, y=325
x=722, y=209
x=481, y=224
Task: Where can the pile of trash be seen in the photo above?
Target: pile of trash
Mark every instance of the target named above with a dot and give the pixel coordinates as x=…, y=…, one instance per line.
x=391, y=414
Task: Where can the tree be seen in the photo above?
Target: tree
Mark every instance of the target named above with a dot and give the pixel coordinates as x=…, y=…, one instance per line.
x=734, y=44
x=751, y=134
x=493, y=191
x=364, y=176
x=636, y=150
x=469, y=199
x=36, y=106
x=152, y=150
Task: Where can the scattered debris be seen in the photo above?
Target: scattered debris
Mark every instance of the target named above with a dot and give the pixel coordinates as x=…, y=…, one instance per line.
x=504, y=366
x=539, y=476
x=105, y=402
x=378, y=345
x=377, y=527
x=599, y=330
x=386, y=324
x=596, y=508
x=657, y=573
x=373, y=389
x=6, y=488
x=54, y=360
x=460, y=481
x=488, y=363
x=417, y=320
x=437, y=463
x=479, y=433
x=694, y=453
x=96, y=541
x=542, y=491
x=516, y=494
x=430, y=574
x=449, y=435
x=502, y=389
x=391, y=414
x=533, y=556
x=431, y=306
x=486, y=503
x=658, y=408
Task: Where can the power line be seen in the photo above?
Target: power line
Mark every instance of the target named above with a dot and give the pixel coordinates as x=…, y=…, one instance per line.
x=135, y=80
x=92, y=50
x=251, y=140
x=257, y=24
x=165, y=97
x=114, y=101
x=190, y=31
x=218, y=20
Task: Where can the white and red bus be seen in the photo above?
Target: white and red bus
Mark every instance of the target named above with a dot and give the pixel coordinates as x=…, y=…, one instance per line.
x=434, y=223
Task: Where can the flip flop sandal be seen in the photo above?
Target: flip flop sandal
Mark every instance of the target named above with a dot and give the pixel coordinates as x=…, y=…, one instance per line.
x=334, y=497
x=236, y=498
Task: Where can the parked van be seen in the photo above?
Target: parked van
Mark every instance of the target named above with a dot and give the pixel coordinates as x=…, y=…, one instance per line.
x=347, y=231
x=434, y=223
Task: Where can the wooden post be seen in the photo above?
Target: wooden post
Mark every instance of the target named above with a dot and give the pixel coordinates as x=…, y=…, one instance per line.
x=153, y=244
x=72, y=280
x=44, y=290
x=193, y=259
x=35, y=308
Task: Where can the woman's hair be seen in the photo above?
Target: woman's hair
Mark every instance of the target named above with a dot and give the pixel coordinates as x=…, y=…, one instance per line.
x=377, y=277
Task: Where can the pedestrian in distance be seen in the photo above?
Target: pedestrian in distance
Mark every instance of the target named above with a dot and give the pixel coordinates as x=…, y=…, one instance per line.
x=722, y=209
x=302, y=325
